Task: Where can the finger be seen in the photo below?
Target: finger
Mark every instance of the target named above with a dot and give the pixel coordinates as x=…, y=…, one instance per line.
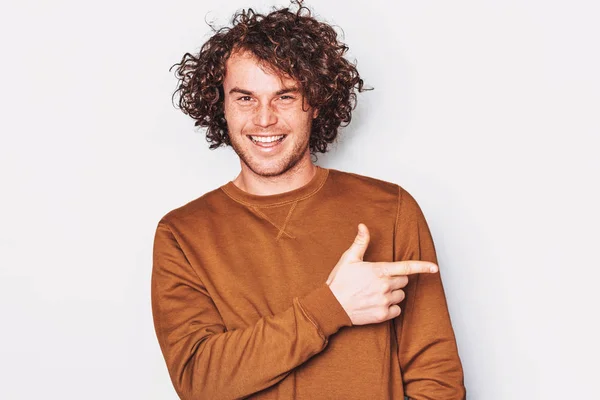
x=361, y=242
x=394, y=311
x=407, y=268
x=398, y=282
x=396, y=296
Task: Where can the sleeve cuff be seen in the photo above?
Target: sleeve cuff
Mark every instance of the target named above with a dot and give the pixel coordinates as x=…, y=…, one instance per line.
x=325, y=310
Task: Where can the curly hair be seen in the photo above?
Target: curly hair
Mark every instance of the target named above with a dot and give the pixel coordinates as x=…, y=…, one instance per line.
x=294, y=44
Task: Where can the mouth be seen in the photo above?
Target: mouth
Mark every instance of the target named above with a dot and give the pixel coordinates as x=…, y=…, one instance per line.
x=267, y=141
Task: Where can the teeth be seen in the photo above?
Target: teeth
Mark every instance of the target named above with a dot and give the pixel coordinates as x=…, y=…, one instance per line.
x=266, y=139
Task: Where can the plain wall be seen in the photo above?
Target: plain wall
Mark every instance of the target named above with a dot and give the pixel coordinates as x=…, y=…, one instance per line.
x=486, y=111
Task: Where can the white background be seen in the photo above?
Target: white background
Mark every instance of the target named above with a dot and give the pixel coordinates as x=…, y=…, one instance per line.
x=486, y=111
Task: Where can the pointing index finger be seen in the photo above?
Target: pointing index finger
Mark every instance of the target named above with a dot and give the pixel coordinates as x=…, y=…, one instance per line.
x=410, y=268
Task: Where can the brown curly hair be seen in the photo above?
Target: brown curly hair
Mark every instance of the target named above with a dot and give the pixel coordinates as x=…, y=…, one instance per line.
x=294, y=44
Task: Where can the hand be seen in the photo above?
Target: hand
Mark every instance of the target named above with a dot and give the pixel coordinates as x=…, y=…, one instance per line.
x=370, y=292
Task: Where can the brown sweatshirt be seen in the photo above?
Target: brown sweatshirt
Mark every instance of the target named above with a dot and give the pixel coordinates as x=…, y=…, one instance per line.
x=241, y=307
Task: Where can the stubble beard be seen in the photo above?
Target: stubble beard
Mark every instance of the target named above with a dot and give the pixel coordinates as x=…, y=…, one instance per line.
x=287, y=162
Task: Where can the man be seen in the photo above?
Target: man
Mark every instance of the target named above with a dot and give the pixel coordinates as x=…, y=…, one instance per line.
x=288, y=282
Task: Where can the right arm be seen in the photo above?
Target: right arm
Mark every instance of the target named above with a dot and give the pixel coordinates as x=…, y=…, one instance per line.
x=207, y=361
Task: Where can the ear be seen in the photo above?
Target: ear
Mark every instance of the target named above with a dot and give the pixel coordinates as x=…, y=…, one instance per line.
x=315, y=112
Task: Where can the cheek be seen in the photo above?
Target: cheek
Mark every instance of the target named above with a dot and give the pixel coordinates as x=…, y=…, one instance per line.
x=236, y=120
x=298, y=119
x=307, y=121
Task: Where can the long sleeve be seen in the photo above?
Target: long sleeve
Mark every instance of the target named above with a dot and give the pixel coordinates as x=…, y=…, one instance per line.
x=427, y=348
x=204, y=359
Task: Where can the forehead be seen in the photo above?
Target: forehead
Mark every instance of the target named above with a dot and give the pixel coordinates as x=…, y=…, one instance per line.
x=243, y=70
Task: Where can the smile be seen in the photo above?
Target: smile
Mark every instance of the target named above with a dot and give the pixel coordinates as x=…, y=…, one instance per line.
x=267, y=139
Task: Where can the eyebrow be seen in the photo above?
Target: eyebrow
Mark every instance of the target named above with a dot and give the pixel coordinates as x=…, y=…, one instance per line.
x=250, y=93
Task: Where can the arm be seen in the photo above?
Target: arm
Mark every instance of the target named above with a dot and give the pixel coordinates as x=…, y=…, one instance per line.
x=205, y=361
x=427, y=349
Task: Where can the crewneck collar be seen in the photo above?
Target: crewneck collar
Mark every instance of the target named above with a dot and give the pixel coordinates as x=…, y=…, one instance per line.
x=313, y=186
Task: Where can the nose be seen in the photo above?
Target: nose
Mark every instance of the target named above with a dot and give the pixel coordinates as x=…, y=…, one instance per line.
x=264, y=116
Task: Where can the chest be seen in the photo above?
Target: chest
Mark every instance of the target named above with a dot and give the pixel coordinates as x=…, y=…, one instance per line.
x=256, y=268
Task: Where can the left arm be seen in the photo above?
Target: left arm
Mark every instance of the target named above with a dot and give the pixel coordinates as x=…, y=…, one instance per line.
x=427, y=350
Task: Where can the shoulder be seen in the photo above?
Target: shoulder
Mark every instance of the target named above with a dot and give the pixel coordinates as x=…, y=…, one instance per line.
x=367, y=186
x=375, y=191
x=197, y=210
x=349, y=179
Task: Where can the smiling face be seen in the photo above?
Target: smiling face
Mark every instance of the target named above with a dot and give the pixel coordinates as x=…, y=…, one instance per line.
x=268, y=127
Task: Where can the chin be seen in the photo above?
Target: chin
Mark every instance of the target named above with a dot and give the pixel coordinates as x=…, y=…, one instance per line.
x=270, y=170
x=273, y=166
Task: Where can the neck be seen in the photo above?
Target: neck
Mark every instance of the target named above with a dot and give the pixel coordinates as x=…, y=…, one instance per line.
x=296, y=177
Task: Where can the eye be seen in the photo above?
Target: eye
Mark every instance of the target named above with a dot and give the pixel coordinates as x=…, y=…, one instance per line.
x=287, y=98
x=244, y=98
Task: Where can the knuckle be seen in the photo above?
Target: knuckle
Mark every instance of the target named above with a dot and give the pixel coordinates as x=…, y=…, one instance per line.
x=401, y=295
x=381, y=315
x=360, y=240
x=385, y=286
x=386, y=300
x=398, y=310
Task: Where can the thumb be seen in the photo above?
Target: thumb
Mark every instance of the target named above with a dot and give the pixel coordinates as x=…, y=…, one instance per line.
x=361, y=242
